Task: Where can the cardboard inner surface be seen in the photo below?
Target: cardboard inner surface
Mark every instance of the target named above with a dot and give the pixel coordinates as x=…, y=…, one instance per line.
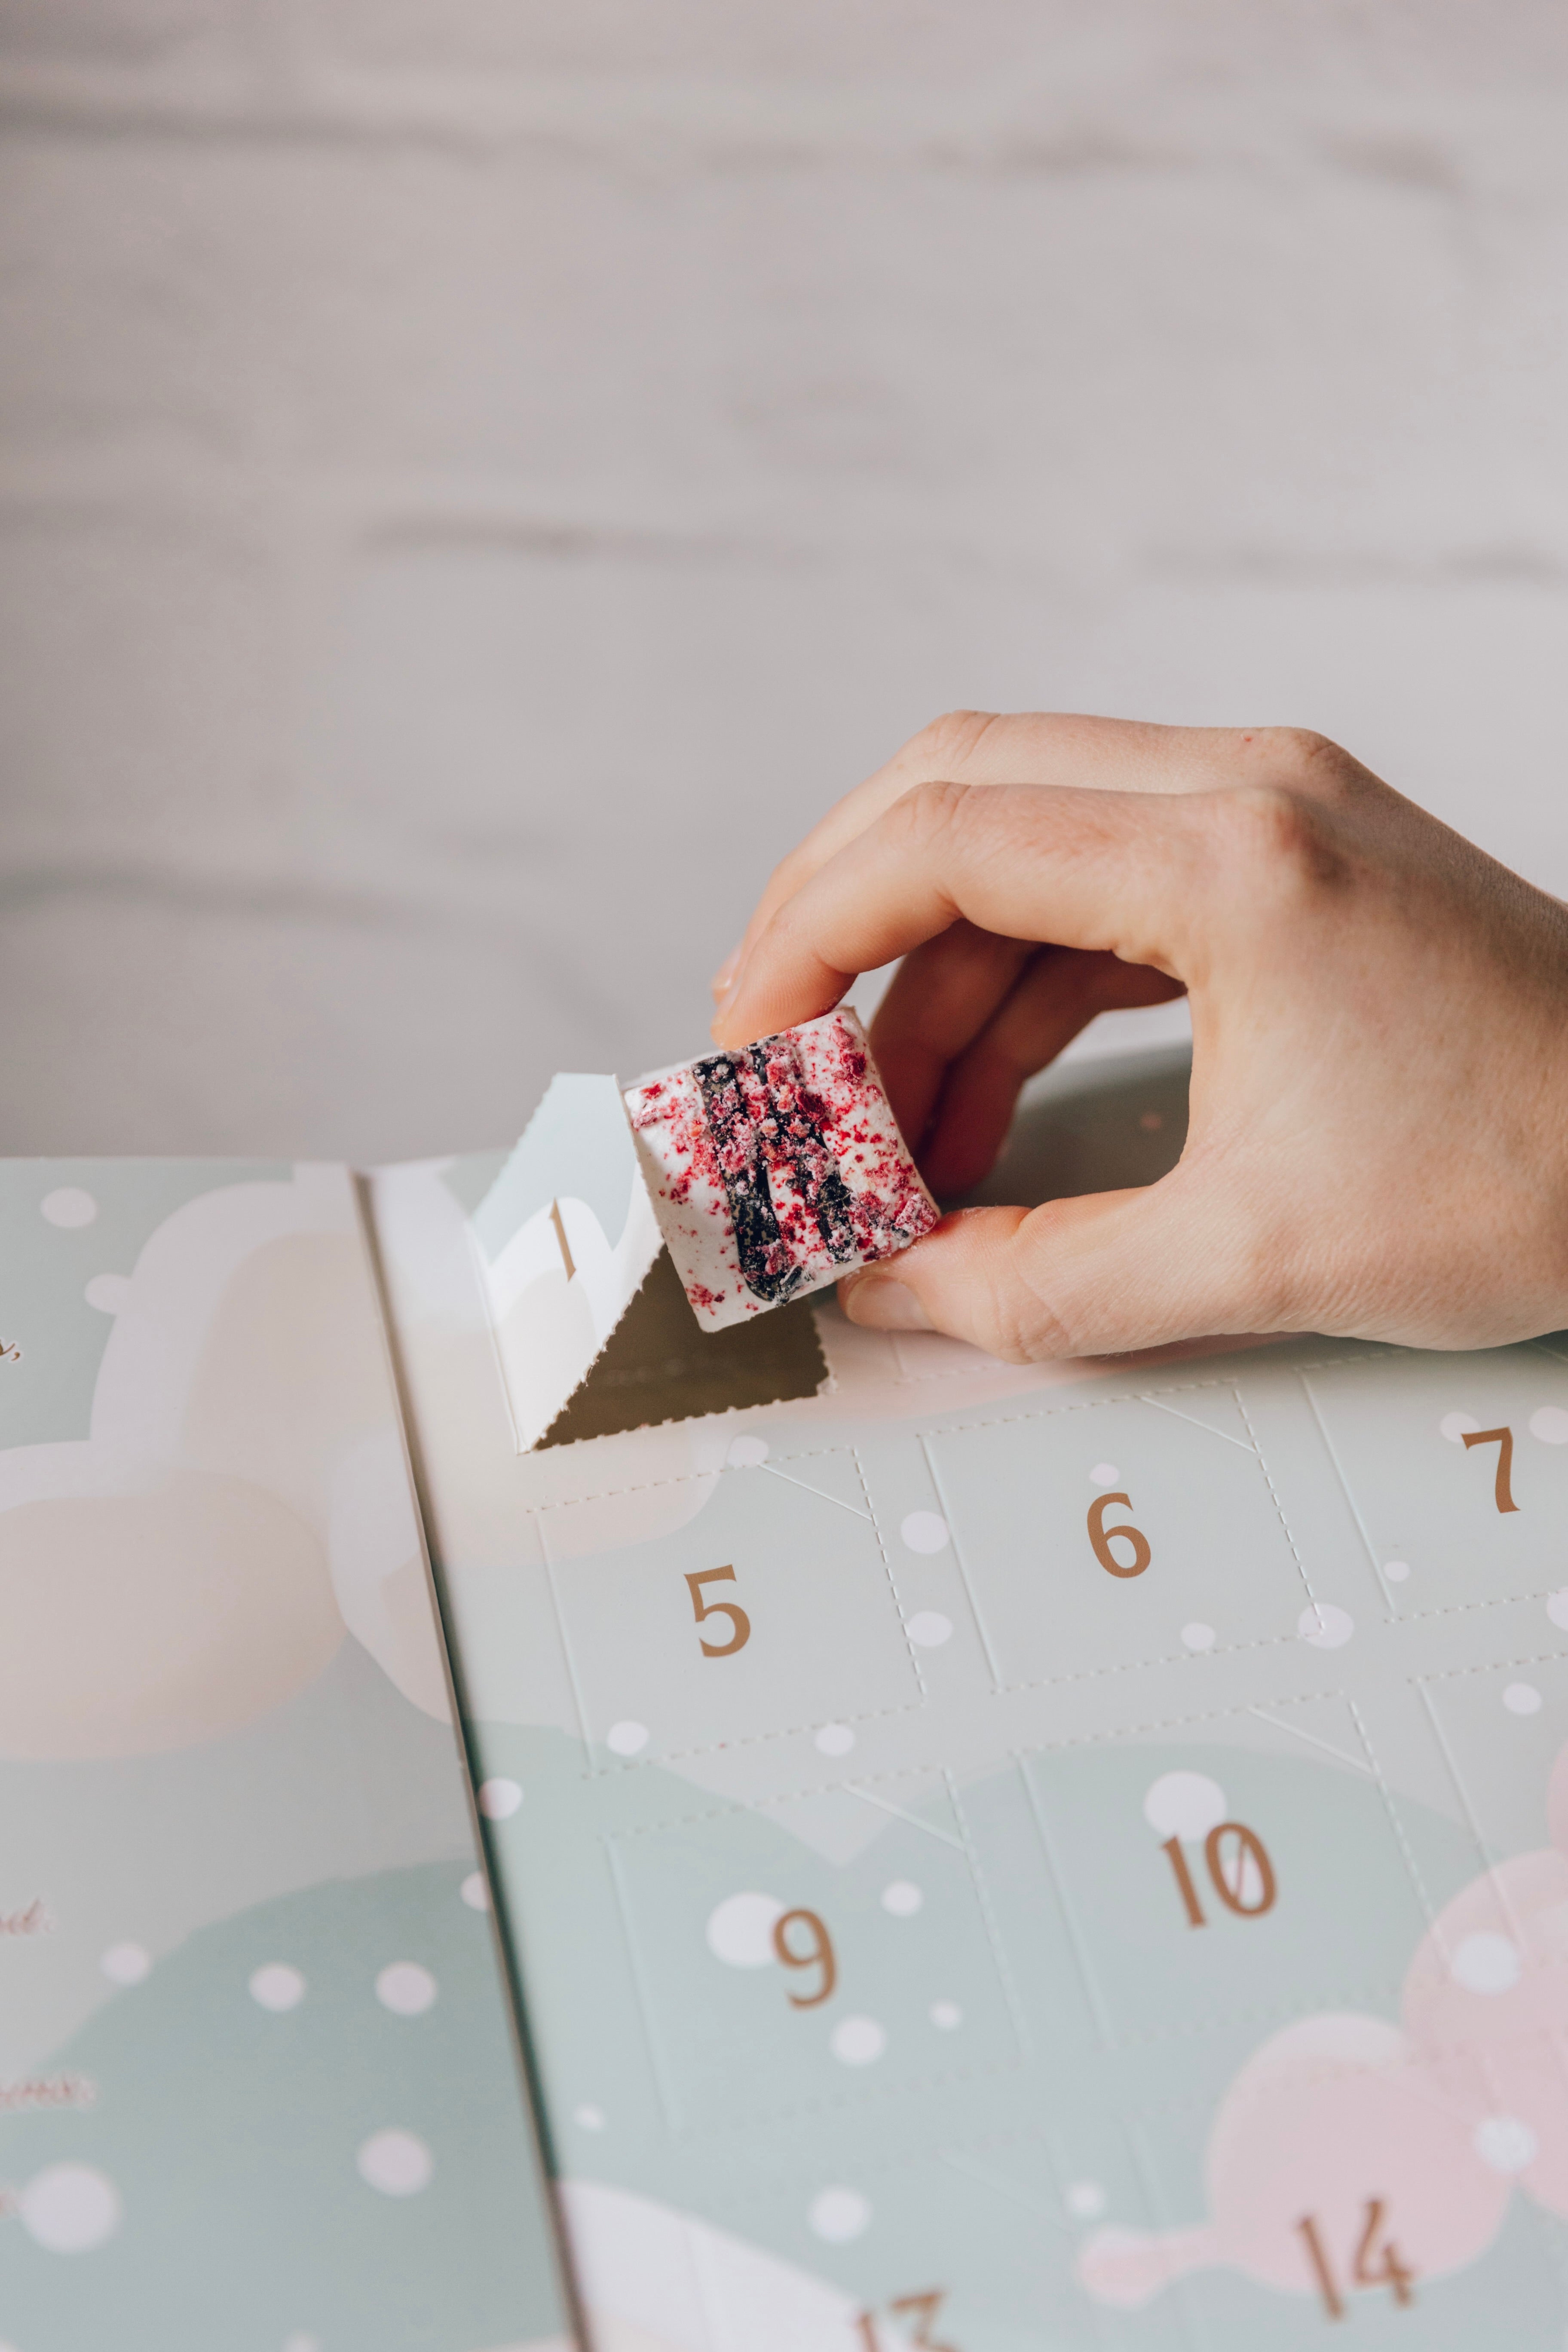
x=659, y=1365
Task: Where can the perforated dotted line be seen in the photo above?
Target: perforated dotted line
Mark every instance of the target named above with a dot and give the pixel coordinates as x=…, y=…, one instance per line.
x=1466, y=1608
x=759, y=1738
x=1104, y=1403
x=788, y=1797
x=1259, y=2012
x=1491, y=1666
x=1279, y=1506
x=993, y=1933
x=1423, y=1896
x=1143, y=1666
x=871, y=2095
x=854, y=1452
x=681, y=1478
x=1079, y=1404
x=1163, y=1723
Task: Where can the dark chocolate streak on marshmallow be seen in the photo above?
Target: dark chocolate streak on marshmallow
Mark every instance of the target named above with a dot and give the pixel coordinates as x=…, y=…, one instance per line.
x=799, y=1139
x=760, y=1247
x=790, y=1135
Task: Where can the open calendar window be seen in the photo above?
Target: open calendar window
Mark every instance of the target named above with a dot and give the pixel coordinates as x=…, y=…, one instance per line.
x=976, y=1856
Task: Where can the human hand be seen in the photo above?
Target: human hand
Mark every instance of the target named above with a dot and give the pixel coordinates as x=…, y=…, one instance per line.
x=1378, y=1136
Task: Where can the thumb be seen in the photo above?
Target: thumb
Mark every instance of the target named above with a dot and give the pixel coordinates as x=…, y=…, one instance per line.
x=1098, y=1275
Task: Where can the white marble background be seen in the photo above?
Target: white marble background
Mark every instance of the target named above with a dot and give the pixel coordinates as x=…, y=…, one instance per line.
x=478, y=476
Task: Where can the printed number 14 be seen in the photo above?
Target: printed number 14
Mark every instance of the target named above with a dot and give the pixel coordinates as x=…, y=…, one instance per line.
x=1390, y=2270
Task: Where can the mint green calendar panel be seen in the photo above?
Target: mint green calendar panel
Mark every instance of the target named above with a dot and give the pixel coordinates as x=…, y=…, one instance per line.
x=1502, y=1729
x=1450, y=1524
x=775, y=1977
x=772, y=1609
x=1113, y=1533
x=1204, y=1885
x=1325, y=2224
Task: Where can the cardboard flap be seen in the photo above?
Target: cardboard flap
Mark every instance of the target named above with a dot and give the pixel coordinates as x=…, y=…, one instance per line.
x=563, y=1239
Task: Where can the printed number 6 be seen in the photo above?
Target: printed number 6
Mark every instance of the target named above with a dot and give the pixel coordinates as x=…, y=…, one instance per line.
x=1102, y=1538
x=730, y=1608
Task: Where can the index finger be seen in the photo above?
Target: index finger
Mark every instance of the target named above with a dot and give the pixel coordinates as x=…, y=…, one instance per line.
x=1031, y=747
x=1112, y=871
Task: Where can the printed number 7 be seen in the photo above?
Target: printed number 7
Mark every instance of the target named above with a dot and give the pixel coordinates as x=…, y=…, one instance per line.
x=1503, y=1440
x=730, y=1608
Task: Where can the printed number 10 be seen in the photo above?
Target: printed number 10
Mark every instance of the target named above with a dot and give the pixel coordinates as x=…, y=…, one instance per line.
x=1239, y=1866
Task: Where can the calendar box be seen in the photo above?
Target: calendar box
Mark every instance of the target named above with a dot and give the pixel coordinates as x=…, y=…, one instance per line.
x=530, y=1822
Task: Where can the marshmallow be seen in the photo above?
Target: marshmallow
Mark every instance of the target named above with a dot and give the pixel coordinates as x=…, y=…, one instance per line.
x=776, y=1168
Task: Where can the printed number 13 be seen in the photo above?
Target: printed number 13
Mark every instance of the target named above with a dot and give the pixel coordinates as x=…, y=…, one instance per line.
x=921, y=2308
x=740, y=1624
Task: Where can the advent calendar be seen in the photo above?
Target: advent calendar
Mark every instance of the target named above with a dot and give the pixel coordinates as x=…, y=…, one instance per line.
x=914, y=1851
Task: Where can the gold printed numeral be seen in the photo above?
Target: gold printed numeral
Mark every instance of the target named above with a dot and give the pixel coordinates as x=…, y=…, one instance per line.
x=1503, y=1440
x=820, y=1955
x=1102, y=1538
x=1239, y=1866
x=740, y=1624
x=1390, y=2270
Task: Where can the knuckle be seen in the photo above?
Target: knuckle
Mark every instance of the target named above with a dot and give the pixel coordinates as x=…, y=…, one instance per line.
x=1281, y=839
x=948, y=742
x=927, y=811
x=1299, y=756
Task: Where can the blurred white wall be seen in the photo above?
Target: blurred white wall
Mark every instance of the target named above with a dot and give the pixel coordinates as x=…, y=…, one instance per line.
x=478, y=476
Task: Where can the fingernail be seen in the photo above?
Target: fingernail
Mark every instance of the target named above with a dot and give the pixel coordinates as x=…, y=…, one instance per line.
x=725, y=1002
x=724, y=978
x=883, y=1304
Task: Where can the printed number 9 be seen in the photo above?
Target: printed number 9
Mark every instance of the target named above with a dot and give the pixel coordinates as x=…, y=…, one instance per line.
x=819, y=1955
x=1102, y=1538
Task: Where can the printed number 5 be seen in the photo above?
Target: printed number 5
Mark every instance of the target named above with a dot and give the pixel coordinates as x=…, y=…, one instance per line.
x=1102, y=1538
x=702, y=1609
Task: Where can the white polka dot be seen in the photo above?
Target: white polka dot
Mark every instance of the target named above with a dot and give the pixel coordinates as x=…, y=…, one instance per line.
x=626, y=1739
x=69, y=2208
x=923, y=1531
x=592, y=2118
x=474, y=1891
x=498, y=1800
x=108, y=1292
x=903, y=1898
x=1486, y=1962
x=1106, y=1474
x=1454, y=1425
x=1086, y=2198
x=69, y=1206
x=746, y=1452
x=1521, y=1698
x=836, y=1739
x=126, y=1964
x=857, y=2040
x=1185, y=1804
x=277, y=1986
x=946, y=2015
x=406, y=1988
x=838, y=2215
x=398, y=2163
x=1550, y=1423
x=1198, y=1637
x=1557, y=1608
x=1396, y=1571
x=1505, y=2143
x=1325, y=1626
x=741, y=1930
x=929, y=1628
x=298, y=2343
